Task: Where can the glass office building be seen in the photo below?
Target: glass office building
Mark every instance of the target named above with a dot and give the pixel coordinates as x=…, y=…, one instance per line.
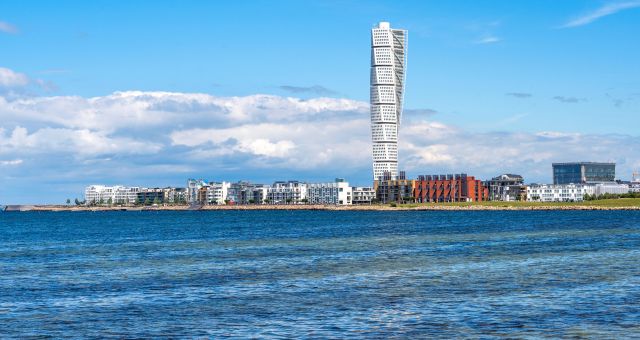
x=583, y=172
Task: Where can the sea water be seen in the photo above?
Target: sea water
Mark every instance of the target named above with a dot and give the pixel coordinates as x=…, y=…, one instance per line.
x=357, y=274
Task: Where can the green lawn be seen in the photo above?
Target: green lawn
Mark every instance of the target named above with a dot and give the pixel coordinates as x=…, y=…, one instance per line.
x=620, y=202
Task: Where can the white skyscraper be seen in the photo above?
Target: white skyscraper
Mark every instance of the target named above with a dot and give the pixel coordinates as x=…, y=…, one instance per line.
x=388, y=65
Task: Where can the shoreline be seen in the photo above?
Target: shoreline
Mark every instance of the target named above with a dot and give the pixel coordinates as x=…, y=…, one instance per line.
x=425, y=207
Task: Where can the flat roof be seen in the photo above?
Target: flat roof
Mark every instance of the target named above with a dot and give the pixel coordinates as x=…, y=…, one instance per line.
x=584, y=163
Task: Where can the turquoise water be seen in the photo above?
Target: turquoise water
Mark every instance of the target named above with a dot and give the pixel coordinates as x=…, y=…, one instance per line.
x=320, y=274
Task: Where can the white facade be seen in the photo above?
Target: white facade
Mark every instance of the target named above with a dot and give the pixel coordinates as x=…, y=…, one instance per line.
x=388, y=68
x=558, y=192
x=363, y=195
x=611, y=188
x=287, y=192
x=114, y=194
x=193, y=186
x=339, y=193
x=217, y=192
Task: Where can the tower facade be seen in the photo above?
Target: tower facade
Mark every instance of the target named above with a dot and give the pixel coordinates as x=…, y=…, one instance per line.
x=388, y=70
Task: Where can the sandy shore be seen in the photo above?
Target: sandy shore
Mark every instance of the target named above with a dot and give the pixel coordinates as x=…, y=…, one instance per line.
x=434, y=207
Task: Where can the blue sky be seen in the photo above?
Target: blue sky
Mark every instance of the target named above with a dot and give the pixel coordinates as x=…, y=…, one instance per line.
x=154, y=92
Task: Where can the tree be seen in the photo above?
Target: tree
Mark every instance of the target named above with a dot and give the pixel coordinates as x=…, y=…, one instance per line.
x=409, y=199
x=68, y=201
x=77, y=201
x=109, y=201
x=266, y=201
x=147, y=201
x=289, y=200
x=252, y=201
x=304, y=200
x=156, y=201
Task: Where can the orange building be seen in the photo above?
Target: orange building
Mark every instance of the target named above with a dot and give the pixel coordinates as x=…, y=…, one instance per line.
x=449, y=188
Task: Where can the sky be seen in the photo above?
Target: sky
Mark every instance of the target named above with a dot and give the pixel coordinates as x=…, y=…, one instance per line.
x=151, y=93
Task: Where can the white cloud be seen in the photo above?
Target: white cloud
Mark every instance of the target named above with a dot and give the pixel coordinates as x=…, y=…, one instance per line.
x=145, y=110
x=8, y=28
x=10, y=79
x=488, y=40
x=11, y=162
x=608, y=9
x=78, y=142
x=299, y=145
x=265, y=147
x=127, y=137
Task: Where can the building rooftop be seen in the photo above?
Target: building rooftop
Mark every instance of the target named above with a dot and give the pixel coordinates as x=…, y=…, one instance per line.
x=584, y=163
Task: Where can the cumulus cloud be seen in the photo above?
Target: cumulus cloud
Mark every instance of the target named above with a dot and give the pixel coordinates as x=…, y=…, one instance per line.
x=162, y=138
x=8, y=28
x=433, y=148
x=10, y=79
x=605, y=10
x=80, y=142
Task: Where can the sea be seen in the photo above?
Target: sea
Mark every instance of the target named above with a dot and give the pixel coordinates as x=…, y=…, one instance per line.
x=320, y=274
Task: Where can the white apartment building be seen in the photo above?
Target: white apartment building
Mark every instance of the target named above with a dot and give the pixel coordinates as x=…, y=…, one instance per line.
x=572, y=192
x=558, y=192
x=388, y=66
x=193, y=186
x=611, y=188
x=117, y=194
x=363, y=195
x=338, y=193
x=217, y=192
x=290, y=192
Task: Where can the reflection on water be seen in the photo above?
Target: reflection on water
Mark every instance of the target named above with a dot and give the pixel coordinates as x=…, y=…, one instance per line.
x=320, y=274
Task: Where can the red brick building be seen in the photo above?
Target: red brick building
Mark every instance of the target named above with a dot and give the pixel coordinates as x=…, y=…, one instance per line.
x=449, y=188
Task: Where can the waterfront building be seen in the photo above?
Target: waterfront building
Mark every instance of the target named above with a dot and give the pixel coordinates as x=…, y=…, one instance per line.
x=118, y=194
x=100, y=194
x=583, y=172
x=194, y=194
x=394, y=190
x=252, y=193
x=388, y=66
x=288, y=192
x=506, y=187
x=151, y=196
x=559, y=192
x=338, y=193
x=573, y=192
x=363, y=195
x=161, y=195
x=449, y=188
x=217, y=192
x=175, y=195
x=611, y=188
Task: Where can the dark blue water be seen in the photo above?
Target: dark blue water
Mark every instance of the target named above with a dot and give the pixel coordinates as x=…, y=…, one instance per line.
x=320, y=274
